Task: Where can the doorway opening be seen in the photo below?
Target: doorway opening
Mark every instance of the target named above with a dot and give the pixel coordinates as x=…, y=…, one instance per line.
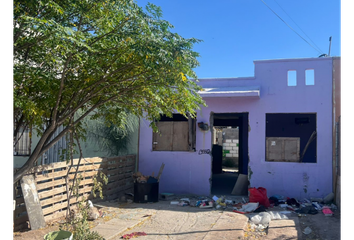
x=229, y=150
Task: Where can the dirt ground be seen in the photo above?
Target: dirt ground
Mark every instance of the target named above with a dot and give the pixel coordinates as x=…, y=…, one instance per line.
x=322, y=227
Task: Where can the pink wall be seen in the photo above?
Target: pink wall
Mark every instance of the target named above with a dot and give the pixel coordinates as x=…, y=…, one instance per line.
x=188, y=172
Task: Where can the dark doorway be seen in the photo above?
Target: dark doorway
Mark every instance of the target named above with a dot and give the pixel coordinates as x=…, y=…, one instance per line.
x=229, y=150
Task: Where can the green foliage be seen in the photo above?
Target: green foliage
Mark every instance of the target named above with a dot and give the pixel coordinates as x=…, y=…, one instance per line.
x=97, y=184
x=104, y=50
x=78, y=224
x=100, y=57
x=112, y=138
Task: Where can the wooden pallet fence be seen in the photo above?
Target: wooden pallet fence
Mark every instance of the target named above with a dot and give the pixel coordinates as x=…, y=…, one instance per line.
x=51, y=184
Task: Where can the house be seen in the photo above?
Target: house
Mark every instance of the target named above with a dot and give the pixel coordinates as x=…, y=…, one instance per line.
x=285, y=118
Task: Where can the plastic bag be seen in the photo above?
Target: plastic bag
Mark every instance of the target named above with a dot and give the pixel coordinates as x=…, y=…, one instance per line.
x=259, y=195
x=262, y=218
x=277, y=215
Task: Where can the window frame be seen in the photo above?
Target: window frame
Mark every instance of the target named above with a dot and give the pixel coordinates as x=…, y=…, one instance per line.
x=189, y=146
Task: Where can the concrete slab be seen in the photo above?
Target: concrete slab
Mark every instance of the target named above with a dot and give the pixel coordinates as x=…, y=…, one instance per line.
x=228, y=226
x=284, y=229
x=33, y=205
x=114, y=227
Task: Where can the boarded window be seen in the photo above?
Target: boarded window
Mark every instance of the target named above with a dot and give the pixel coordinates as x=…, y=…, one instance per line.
x=175, y=134
x=283, y=149
x=291, y=137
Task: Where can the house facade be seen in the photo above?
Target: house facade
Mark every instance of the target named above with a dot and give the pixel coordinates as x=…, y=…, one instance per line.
x=285, y=121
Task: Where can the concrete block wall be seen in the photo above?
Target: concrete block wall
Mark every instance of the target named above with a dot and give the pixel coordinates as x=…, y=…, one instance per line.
x=232, y=146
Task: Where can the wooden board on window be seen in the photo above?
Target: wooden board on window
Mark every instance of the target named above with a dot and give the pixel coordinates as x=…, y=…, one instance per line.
x=180, y=136
x=162, y=141
x=283, y=149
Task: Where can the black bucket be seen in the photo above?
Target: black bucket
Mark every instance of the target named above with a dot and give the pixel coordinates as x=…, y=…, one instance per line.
x=146, y=192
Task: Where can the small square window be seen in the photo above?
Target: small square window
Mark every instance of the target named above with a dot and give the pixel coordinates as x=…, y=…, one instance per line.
x=310, y=77
x=291, y=78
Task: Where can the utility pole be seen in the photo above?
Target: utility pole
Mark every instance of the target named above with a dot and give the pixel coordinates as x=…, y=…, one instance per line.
x=330, y=42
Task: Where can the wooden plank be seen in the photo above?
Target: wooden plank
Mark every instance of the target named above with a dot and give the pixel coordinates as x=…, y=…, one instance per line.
x=241, y=185
x=54, y=200
x=33, y=206
x=52, y=192
x=162, y=141
x=86, y=168
x=180, y=136
x=283, y=149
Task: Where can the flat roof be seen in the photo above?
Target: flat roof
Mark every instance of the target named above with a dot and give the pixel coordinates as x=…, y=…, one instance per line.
x=244, y=91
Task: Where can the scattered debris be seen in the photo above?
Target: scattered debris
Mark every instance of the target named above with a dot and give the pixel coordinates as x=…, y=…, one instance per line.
x=327, y=211
x=307, y=210
x=307, y=231
x=184, y=202
x=259, y=195
x=93, y=213
x=133, y=235
x=246, y=208
x=317, y=206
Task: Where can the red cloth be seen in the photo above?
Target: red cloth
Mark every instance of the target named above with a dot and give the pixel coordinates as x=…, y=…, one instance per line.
x=259, y=195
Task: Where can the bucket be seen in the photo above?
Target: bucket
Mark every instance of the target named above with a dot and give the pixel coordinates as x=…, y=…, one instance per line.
x=146, y=192
x=59, y=235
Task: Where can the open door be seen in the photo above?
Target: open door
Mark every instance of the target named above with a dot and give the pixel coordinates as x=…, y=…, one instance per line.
x=229, y=150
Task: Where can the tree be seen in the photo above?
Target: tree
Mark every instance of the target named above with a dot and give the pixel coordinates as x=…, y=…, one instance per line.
x=96, y=58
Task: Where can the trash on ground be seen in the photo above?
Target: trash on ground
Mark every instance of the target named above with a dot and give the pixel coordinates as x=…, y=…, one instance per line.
x=184, y=202
x=327, y=212
x=229, y=202
x=334, y=207
x=261, y=208
x=285, y=212
x=293, y=202
x=215, y=198
x=133, y=235
x=274, y=215
x=259, y=195
x=206, y=205
x=279, y=197
x=307, y=210
x=283, y=205
x=317, y=206
x=93, y=212
x=262, y=218
x=246, y=208
x=174, y=202
x=307, y=230
x=274, y=201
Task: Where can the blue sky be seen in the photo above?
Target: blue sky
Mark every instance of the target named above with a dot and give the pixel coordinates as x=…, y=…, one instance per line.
x=237, y=32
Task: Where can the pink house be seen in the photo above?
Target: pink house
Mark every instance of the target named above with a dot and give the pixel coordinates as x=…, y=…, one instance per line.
x=285, y=117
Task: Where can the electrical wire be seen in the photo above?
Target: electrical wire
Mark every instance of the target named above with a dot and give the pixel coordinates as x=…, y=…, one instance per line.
x=292, y=28
x=298, y=26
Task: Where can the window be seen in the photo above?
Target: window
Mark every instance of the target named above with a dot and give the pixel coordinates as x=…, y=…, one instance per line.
x=310, y=77
x=291, y=137
x=175, y=134
x=291, y=78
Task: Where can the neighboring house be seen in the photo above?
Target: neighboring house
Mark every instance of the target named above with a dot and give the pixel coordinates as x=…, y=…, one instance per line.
x=286, y=119
x=90, y=148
